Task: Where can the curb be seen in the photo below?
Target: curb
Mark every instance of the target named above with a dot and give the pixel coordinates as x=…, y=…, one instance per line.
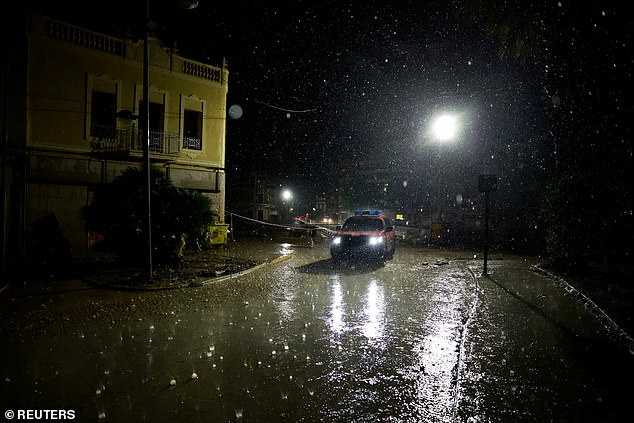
x=196, y=284
x=624, y=338
x=244, y=272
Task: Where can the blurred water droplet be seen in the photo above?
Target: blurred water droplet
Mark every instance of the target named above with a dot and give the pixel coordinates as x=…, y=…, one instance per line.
x=173, y=382
x=194, y=376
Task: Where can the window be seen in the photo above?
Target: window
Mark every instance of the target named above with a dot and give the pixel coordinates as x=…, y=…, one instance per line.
x=103, y=123
x=192, y=130
x=157, y=116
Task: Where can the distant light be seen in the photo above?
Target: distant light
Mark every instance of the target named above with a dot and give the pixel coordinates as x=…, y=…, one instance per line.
x=444, y=128
x=287, y=194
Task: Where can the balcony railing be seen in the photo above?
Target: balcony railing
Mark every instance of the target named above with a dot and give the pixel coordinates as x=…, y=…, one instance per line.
x=192, y=143
x=129, y=140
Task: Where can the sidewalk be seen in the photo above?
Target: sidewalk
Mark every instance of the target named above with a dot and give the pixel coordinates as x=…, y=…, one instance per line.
x=104, y=273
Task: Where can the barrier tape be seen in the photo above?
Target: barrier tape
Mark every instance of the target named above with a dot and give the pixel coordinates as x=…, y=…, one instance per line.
x=261, y=222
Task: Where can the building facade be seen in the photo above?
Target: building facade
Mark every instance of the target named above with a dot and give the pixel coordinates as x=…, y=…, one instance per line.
x=66, y=94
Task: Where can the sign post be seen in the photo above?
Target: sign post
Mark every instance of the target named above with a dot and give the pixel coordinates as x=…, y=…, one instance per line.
x=486, y=184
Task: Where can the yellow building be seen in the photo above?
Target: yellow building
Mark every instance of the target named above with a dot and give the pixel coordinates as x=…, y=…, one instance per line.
x=63, y=137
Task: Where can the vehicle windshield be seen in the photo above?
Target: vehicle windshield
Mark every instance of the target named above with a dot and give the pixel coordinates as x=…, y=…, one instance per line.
x=363, y=224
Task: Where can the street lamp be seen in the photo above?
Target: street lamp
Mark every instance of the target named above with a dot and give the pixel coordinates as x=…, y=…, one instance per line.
x=145, y=124
x=442, y=130
x=287, y=197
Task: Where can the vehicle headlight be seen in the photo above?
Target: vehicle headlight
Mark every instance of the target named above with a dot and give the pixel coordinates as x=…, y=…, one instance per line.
x=336, y=240
x=376, y=240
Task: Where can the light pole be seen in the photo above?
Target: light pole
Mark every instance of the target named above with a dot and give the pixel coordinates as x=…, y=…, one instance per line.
x=443, y=130
x=287, y=197
x=145, y=127
x=145, y=140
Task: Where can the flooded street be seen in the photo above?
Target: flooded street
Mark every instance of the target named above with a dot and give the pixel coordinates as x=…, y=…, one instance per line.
x=424, y=338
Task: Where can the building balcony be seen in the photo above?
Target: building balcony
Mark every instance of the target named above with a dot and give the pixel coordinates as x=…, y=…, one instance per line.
x=127, y=142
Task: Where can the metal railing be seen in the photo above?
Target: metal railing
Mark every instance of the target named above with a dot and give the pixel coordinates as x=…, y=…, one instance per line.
x=129, y=140
x=192, y=143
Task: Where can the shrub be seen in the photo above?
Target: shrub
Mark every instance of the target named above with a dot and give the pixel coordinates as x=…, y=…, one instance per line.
x=119, y=212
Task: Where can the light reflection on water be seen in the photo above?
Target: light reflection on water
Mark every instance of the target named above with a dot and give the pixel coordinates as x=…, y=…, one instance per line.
x=336, y=322
x=374, y=325
x=285, y=297
x=286, y=249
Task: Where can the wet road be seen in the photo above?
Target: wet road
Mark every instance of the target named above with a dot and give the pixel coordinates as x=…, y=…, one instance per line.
x=424, y=338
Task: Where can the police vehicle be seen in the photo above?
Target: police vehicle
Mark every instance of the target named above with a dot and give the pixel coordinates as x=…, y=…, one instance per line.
x=369, y=233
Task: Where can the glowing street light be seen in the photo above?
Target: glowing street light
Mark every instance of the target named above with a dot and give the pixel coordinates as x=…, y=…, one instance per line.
x=287, y=195
x=444, y=128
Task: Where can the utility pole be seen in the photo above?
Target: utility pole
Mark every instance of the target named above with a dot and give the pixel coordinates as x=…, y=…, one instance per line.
x=146, y=137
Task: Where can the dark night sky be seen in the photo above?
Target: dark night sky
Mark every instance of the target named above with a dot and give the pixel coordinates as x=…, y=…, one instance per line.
x=325, y=81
